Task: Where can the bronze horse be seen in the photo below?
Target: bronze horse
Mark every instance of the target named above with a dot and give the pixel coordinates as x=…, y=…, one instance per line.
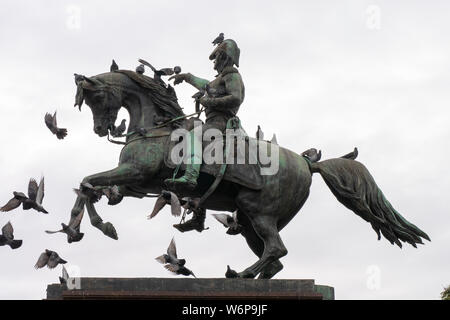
x=262, y=213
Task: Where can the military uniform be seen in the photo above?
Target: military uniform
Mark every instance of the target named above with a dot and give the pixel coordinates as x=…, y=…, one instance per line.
x=224, y=96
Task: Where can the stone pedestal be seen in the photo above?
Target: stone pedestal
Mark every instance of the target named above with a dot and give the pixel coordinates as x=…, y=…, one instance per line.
x=190, y=289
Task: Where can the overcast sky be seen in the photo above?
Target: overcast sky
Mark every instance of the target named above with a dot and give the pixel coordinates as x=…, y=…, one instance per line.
x=326, y=74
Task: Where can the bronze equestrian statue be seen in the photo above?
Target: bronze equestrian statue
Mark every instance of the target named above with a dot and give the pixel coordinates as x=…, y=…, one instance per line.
x=264, y=204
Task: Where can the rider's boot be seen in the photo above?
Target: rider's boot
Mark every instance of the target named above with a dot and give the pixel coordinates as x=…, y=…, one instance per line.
x=189, y=180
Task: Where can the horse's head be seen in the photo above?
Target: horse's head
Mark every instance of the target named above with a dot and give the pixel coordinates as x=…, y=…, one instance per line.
x=102, y=97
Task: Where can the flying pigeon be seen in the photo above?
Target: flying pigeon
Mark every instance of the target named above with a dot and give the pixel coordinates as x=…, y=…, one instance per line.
x=18, y=199
x=352, y=155
x=167, y=197
x=113, y=195
x=72, y=230
x=219, y=39
x=118, y=131
x=7, y=237
x=33, y=201
x=50, y=121
x=114, y=66
x=172, y=263
x=274, y=139
x=171, y=256
x=158, y=73
x=50, y=259
x=259, y=134
x=179, y=270
x=229, y=222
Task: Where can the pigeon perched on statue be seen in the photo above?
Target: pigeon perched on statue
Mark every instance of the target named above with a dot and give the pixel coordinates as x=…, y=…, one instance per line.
x=219, y=39
x=259, y=134
x=274, y=139
x=352, y=155
x=118, y=131
x=177, y=69
x=114, y=66
x=72, y=230
x=140, y=69
x=231, y=273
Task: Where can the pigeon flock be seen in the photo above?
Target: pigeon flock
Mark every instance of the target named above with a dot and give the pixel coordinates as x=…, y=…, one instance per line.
x=35, y=195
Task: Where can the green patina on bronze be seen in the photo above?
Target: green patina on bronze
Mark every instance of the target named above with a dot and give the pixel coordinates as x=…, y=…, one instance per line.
x=263, y=210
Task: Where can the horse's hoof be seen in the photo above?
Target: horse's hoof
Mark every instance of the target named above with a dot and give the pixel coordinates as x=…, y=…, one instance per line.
x=231, y=273
x=110, y=231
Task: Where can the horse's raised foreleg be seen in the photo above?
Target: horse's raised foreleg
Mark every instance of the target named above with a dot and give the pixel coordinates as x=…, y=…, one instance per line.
x=122, y=175
x=266, y=228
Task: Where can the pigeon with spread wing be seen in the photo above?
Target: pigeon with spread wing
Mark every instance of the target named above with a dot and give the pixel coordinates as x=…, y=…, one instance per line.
x=157, y=74
x=33, y=201
x=50, y=259
x=172, y=263
x=179, y=270
x=229, y=222
x=50, y=121
x=72, y=230
x=167, y=197
x=7, y=237
x=171, y=256
x=88, y=191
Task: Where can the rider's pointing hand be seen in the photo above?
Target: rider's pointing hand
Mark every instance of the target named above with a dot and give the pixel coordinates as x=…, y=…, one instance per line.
x=179, y=78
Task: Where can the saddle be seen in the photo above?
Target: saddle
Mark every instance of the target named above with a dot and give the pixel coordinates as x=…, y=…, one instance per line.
x=247, y=175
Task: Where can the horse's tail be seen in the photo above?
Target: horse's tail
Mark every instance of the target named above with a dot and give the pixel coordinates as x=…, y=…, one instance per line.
x=355, y=188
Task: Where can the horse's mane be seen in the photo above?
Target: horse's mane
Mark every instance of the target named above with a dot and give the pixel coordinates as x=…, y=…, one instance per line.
x=163, y=98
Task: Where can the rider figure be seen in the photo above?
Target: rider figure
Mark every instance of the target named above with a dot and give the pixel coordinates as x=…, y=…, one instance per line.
x=224, y=96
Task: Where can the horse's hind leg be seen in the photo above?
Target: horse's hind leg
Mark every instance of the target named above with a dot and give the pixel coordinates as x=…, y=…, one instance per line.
x=257, y=246
x=266, y=228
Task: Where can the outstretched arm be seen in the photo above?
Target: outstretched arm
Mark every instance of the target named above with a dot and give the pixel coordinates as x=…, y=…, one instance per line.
x=197, y=82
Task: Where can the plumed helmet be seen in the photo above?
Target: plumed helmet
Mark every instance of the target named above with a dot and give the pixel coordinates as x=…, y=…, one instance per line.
x=231, y=50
